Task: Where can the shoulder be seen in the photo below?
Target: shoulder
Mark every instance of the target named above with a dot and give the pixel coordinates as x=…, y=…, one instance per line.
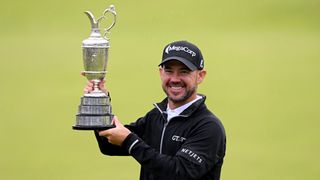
x=151, y=114
x=208, y=121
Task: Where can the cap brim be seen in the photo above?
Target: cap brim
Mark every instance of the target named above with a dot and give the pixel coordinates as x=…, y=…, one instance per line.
x=191, y=66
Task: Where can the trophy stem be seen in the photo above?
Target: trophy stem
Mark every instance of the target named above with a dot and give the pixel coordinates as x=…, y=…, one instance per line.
x=96, y=92
x=96, y=88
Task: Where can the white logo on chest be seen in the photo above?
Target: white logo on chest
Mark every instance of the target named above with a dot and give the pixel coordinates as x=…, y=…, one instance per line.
x=178, y=138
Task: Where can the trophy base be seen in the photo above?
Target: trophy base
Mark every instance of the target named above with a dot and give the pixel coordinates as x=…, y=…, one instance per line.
x=77, y=127
x=94, y=113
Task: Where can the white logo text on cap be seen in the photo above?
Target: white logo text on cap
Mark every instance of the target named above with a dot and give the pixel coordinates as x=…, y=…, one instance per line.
x=180, y=48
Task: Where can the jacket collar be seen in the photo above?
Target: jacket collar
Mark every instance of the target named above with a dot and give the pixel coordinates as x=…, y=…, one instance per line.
x=162, y=106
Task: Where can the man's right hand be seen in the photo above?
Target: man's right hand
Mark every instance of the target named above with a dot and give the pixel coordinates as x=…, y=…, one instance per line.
x=89, y=87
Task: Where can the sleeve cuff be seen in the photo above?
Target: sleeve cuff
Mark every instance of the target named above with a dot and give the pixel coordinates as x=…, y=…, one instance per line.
x=131, y=140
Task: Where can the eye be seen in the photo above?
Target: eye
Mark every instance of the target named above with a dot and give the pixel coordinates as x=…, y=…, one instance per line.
x=185, y=71
x=167, y=70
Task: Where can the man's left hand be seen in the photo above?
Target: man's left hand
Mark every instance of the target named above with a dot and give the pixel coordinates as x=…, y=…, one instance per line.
x=116, y=135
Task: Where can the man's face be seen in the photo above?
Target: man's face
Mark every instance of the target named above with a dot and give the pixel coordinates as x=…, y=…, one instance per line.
x=179, y=82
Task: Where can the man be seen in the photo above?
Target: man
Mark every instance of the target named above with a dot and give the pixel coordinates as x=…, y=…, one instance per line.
x=179, y=138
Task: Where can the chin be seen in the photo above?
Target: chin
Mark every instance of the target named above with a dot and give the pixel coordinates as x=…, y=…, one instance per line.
x=178, y=99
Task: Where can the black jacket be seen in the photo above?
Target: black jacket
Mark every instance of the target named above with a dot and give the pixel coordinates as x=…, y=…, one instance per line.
x=190, y=146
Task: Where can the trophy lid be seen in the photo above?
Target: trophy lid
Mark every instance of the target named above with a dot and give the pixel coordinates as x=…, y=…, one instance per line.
x=95, y=40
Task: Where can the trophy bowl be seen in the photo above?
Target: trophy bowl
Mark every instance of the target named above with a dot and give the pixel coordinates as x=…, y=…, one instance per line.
x=95, y=57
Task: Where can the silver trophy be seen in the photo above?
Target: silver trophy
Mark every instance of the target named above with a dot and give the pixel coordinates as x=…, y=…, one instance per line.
x=95, y=109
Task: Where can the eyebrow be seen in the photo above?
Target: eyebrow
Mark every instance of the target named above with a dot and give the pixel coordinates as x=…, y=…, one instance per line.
x=183, y=68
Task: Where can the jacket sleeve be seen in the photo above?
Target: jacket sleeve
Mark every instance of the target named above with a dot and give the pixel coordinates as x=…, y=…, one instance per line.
x=197, y=156
x=107, y=148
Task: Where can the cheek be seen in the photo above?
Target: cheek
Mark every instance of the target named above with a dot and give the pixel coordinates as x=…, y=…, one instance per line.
x=163, y=79
x=161, y=76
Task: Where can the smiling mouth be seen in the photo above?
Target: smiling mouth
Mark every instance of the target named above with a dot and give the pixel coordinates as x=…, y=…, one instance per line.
x=176, y=88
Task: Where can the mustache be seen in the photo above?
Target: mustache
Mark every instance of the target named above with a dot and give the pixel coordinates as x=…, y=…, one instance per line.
x=175, y=84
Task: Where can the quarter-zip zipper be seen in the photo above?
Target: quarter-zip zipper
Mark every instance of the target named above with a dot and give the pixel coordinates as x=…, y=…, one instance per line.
x=165, y=125
x=162, y=135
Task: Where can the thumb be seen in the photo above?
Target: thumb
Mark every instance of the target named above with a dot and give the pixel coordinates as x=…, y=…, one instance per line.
x=116, y=122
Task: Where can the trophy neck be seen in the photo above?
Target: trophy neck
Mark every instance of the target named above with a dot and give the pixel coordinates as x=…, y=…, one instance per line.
x=95, y=33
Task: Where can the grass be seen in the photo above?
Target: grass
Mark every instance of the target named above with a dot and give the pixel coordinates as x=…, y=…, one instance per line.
x=263, y=82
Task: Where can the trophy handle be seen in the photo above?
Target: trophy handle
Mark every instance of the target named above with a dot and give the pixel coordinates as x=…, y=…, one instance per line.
x=111, y=10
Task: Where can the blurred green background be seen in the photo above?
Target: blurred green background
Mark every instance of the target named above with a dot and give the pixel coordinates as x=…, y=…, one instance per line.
x=263, y=63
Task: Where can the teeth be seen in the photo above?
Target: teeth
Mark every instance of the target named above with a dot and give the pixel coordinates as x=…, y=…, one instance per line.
x=176, y=88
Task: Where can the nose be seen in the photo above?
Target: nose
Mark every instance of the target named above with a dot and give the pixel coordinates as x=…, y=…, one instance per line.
x=175, y=77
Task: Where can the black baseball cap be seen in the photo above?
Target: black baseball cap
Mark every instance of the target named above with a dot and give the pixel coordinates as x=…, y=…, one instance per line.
x=185, y=52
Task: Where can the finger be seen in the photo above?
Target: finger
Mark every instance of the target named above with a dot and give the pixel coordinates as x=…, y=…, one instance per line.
x=87, y=89
x=90, y=83
x=101, y=87
x=101, y=83
x=104, y=133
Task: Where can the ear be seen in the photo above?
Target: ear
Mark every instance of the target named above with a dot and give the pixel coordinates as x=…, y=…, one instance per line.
x=201, y=76
x=160, y=70
x=161, y=73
